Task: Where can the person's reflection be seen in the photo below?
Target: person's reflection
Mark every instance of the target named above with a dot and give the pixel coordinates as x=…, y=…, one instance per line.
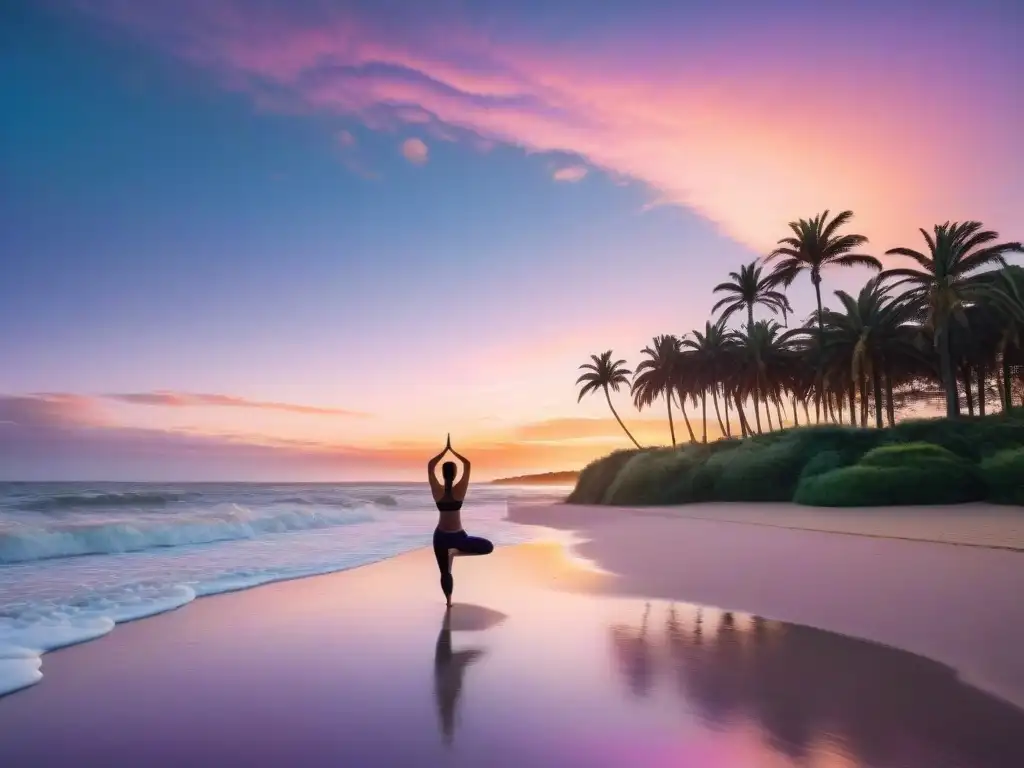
x=449, y=668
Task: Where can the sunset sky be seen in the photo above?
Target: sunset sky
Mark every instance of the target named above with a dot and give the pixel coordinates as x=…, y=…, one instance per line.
x=292, y=240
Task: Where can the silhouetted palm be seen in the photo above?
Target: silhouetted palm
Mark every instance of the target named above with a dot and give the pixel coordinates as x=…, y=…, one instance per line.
x=943, y=283
x=746, y=289
x=604, y=374
x=1008, y=309
x=710, y=357
x=815, y=245
x=763, y=357
x=656, y=376
x=871, y=329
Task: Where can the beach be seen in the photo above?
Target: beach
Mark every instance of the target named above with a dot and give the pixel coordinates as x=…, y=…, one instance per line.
x=659, y=640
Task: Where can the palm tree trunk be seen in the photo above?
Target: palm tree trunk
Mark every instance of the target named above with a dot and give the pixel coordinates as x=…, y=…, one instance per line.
x=852, y=393
x=608, y=397
x=778, y=410
x=757, y=412
x=807, y=413
x=889, y=406
x=768, y=414
x=718, y=413
x=796, y=416
x=682, y=410
x=946, y=370
x=968, y=392
x=744, y=424
x=982, y=375
x=728, y=424
x=840, y=408
x=876, y=381
x=821, y=342
x=704, y=415
x=1007, y=387
x=863, y=401
x=671, y=426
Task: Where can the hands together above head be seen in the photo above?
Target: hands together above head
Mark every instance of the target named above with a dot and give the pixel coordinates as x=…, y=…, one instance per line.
x=447, y=448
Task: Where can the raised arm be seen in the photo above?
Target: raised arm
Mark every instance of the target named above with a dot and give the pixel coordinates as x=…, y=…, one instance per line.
x=459, y=491
x=435, y=486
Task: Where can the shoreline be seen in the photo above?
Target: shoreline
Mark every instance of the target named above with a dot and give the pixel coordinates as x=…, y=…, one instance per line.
x=594, y=538
x=946, y=598
x=540, y=662
x=977, y=524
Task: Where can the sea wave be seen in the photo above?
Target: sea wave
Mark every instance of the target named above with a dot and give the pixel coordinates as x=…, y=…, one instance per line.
x=154, y=548
x=24, y=542
x=87, y=500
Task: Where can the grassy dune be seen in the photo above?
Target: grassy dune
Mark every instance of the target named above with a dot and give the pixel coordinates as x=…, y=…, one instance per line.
x=934, y=461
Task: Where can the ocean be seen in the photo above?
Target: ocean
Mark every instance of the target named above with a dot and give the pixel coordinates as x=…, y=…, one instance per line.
x=76, y=559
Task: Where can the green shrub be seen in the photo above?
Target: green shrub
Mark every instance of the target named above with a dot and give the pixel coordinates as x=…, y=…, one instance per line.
x=657, y=477
x=757, y=472
x=872, y=486
x=1004, y=476
x=597, y=476
x=824, y=462
x=801, y=462
x=908, y=454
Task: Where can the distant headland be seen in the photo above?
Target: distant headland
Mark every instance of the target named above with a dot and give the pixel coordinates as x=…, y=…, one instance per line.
x=545, y=478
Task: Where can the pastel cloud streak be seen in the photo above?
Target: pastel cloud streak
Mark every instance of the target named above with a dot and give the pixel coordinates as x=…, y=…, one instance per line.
x=751, y=122
x=415, y=151
x=75, y=436
x=572, y=173
x=188, y=399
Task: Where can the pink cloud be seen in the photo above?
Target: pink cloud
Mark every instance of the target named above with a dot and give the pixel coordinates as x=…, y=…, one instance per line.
x=188, y=399
x=752, y=130
x=346, y=139
x=572, y=173
x=415, y=151
x=54, y=436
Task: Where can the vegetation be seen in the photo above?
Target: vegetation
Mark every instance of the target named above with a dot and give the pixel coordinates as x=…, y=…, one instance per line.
x=1003, y=473
x=916, y=462
x=946, y=328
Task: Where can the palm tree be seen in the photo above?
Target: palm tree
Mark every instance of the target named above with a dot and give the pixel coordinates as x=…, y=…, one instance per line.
x=686, y=377
x=764, y=355
x=945, y=281
x=872, y=329
x=655, y=376
x=747, y=289
x=604, y=374
x=816, y=244
x=1012, y=287
x=710, y=352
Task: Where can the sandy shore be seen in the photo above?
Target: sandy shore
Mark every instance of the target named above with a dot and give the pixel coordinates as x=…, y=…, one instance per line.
x=944, y=582
x=543, y=662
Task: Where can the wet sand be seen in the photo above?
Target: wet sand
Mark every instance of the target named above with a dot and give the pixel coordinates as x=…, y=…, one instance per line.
x=920, y=579
x=545, y=663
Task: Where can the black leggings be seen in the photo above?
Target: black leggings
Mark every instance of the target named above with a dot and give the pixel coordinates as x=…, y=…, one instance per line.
x=465, y=544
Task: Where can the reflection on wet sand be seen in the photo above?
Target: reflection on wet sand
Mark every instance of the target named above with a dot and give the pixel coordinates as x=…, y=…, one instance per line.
x=811, y=692
x=450, y=665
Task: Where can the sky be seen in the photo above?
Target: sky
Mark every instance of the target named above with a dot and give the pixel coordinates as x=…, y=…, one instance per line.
x=305, y=240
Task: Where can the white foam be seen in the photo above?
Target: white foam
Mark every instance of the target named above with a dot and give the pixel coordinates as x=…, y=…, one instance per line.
x=23, y=542
x=52, y=603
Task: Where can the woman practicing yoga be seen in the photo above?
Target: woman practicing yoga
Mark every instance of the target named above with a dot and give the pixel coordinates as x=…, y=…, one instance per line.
x=449, y=538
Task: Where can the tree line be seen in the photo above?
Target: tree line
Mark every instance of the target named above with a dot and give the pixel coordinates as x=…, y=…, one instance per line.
x=948, y=326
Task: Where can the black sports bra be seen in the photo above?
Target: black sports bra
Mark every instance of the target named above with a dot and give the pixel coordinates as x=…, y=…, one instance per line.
x=448, y=505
